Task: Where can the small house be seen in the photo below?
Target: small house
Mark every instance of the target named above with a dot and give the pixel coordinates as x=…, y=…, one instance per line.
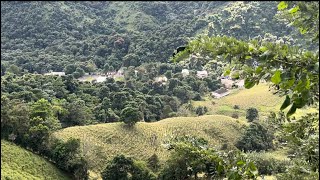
x=240, y=84
x=56, y=73
x=101, y=79
x=185, y=72
x=220, y=93
x=202, y=74
x=161, y=79
x=227, y=83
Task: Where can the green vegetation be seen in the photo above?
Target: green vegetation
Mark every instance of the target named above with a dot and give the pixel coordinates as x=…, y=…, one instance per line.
x=252, y=114
x=102, y=142
x=18, y=163
x=140, y=112
x=126, y=168
x=256, y=138
x=259, y=97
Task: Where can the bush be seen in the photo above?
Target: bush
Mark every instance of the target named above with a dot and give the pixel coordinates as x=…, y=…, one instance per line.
x=252, y=114
x=268, y=165
x=201, y=110
x=153, y=162
x=123, y=168
x=236, y=107
x=235, y=115
x=67, y=156
x=256, y=138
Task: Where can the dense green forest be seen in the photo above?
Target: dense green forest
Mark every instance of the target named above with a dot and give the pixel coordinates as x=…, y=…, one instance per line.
x=131, y=45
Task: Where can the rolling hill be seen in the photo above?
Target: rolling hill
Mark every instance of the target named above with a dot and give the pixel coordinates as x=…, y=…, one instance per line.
x=18, y=163
x=103, y=141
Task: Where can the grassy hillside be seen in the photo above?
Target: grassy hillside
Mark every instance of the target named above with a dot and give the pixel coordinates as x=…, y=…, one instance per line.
x=259, y=97
x=18, y=163
x=103, y=141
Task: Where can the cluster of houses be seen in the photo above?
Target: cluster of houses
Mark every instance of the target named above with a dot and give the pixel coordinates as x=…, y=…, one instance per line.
x=93, y=77
x=200, y=74
x=226, y=81
x=227, y=84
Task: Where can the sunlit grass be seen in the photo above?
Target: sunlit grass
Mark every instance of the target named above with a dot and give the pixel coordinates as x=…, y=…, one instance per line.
x=18, y=163
x=258, y=97
x=102, y=142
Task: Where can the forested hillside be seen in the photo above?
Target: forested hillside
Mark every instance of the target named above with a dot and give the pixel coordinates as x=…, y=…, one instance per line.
x=43, y=36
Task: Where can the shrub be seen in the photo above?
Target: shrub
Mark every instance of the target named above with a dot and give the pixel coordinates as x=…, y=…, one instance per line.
x=235, y=115
x=236, y=107
x=256, y=138
x=252, y=114
x=122, y=168
x=153, y=162
x=268, y=165
x=201, y=110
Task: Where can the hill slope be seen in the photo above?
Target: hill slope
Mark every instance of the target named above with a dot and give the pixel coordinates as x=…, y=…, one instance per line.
x=103, y=141
x=18, y=163
x=258, y=97
x=43, y=36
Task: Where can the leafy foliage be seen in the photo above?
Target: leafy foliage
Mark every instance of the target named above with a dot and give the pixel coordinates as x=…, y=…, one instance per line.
x=256, y=138
x=122, y=168
x=192, y=156
x=304, y=16
x=299, y=76
x=252, y=114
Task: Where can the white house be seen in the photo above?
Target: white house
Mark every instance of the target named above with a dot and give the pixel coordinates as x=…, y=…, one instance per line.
x=227, y=83
x=240, y=83
x=56, y=73
x=185, y=72
x=220, y=93
x=101, y=78
x=161, y=79
x=202, y=74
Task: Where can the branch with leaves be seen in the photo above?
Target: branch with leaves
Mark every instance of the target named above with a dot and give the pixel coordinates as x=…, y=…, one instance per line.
x=292, y=71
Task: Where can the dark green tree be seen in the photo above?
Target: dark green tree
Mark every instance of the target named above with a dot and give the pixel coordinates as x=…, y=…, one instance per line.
x=130, y=116
x=252, y=114
x=256, y=138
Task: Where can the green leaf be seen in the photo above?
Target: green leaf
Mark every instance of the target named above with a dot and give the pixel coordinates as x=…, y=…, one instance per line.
x=259, y=69
x=282, y=5
x=240, y=163
x=227, y=72
x=308, y=83
x=251, y=47
x=248, y=83
x=286, y=103
x=247, y=57
x=302, y=30
x=276, y=79
x=300, y=86
x=294, y=10
x=292, y=110
x=263, y=49
x=235, y=75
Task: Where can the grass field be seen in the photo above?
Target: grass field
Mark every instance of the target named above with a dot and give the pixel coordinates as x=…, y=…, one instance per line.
x=103, y=141
x=258, y=97
x=18, y=163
